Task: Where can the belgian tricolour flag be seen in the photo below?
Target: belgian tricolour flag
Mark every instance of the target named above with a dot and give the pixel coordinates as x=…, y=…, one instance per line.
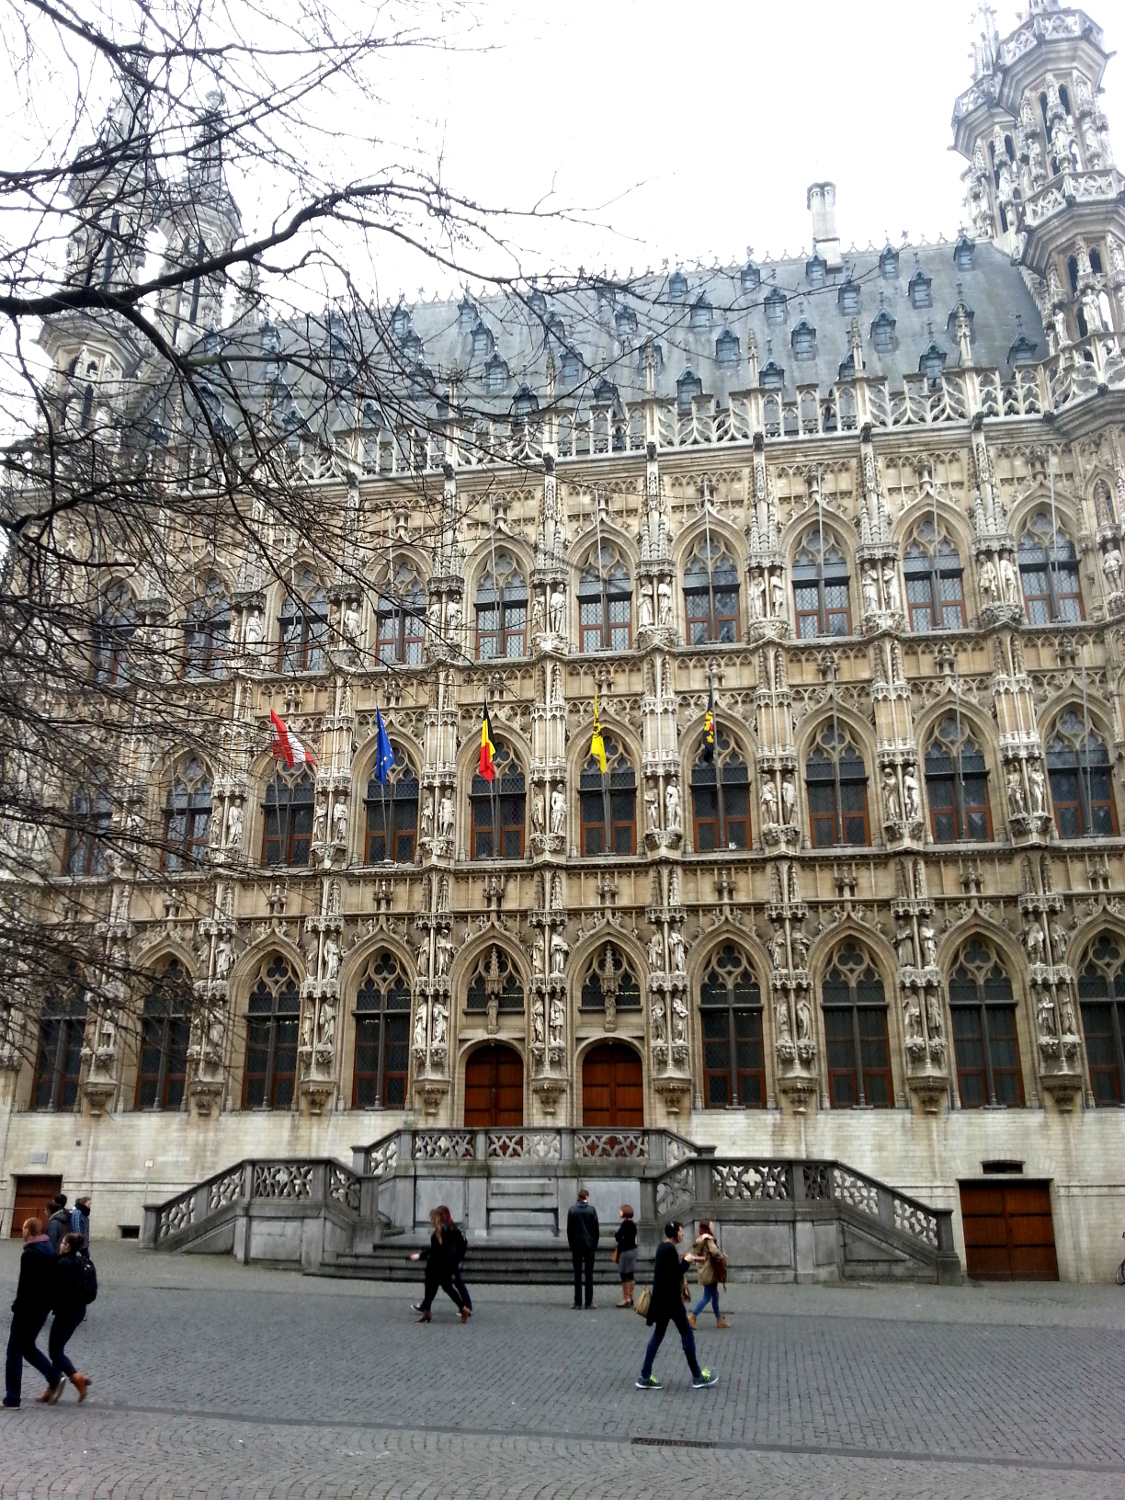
x=487, y=749
x=709, y=727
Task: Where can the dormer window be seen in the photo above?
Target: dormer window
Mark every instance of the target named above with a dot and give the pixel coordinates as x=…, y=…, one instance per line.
x=536, y=302
x=772, y=377
x=775, y=304
x=626, y=321
x=571, y=368
x=727, y=348
x=700, y=314
x=847, y=366
x=496, y=374
x=804, y=341
x=816, y=270
x=556, y=328
x=888, y=263
x=466, y=314
x=605, y=392
x=688, y=387
x=931, y=364
x=963, y=252
x=525, y=402
x=657, y=357
x=483, y=342
x=1022, y=351
x=919, y=289
x=848, y=298
x=961, y=311
x=400, y=321
x=883, y=333
x=677, y=286
x=412, y=346
x=421, y=378
x=751, y=277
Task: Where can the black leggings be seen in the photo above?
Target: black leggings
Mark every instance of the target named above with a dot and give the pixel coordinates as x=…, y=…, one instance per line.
x=442, y=1278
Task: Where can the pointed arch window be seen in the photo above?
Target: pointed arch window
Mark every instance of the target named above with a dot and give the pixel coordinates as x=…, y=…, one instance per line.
x=382, y=1036
x=609, y=973
x=855, y=1032
x=820, y=587
x=207, y=633
x=605, y=602
x=498, y=809
x=730, y=1015
x=187, y=819
x=288, y=820
x=1048, y=566
x=401, y=619
x=303, y=627
x=58, y=1053
x=711, y=595
x=501, y=607
x=720, y=797
x=272, y=1018
x=113, y=635
x=165, y=1033
x=392, y=814
x=983, y=1015
x=89, y=821
x=957, y=785
x=1101, y=999
x=935, y=594
x=608, y=804
x=836, y=782
x=1079, y=768
x=495, y=978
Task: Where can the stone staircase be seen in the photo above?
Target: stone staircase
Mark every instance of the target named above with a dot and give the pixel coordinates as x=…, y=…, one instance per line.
x=520, y=1262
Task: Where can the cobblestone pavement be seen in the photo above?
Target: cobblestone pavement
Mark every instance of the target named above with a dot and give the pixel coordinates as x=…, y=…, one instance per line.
x=214, y=1379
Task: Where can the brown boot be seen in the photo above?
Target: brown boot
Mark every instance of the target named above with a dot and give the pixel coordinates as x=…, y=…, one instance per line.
x=424, y=1317
x=691, y=1319
x=465, y=1315
x=81, y=1384
x=721, y=1323
x=45, y=1396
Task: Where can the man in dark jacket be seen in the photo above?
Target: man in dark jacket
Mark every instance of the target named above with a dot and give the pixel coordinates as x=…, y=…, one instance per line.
x=34, y=1296
x=667, y=1306
x=59, y=1222
x=582, y=1237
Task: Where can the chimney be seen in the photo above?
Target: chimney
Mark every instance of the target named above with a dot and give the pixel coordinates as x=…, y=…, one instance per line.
x=822, y=203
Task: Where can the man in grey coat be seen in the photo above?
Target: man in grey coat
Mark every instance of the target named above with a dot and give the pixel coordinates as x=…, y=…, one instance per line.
x=582, y=1237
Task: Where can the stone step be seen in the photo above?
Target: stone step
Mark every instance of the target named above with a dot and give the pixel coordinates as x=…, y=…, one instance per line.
x=527, y=1262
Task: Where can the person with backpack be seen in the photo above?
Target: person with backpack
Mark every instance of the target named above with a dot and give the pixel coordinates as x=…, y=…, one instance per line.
x=35, y=1293
x=440, y=1266
x=582, y=1232
x=76, y=1286
x=59, y=1222
x=458, y=1249
x=80, y=1219
x=665, y=1305
x=711, y=1270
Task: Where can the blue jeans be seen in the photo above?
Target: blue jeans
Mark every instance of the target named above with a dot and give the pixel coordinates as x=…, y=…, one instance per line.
x=62, y=1330
x=21, y=1346
x=710, y=1294
x=687, y=1339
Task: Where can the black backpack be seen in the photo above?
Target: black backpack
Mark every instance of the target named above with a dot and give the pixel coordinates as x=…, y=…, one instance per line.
x=458, y=1245
x=89, y=1279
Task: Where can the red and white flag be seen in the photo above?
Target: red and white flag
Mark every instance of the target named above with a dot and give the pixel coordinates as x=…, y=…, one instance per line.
x=286, y=746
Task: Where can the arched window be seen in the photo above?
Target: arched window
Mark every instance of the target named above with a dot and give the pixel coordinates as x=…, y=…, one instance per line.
x=730, y=1014
x=501, y=610
x=382, y=1036
x=836, y=781
x=392, y=814
x=1101, y=998
x=207, y=633
x=89, y=820
x=165, y=1033
x=303, y=627
x=711, y=595
x=288, y=821
x=1048, y=566
x=609, y=973
x=932, y=569
x=608, y=803
x=957, y=785
x=113, y=634
x=1079, y=768
x=58, y=1055
x=605, y=597
x=401, y=618
x=820, y=588
x=855, y=1031
x=495, y=978
x=720, y=797
x=272, y=1018
x=983, y=1013
x=187, y=819
x=498, y=809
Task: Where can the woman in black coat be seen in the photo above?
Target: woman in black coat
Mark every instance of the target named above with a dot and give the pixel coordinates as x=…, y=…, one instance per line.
x=667, y=1306
x=70, y=1309
x=441, y=1266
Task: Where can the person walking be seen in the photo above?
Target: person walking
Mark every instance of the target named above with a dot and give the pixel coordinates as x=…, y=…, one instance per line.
x=80, y=1219
x=666, y=1306
x=626, y=1254
x=582, y=1230
x=458, y=1249
x=440, y=1266
x=70, y=1308
x=59, y=1222
x=709, y=1268
x=35, y=1292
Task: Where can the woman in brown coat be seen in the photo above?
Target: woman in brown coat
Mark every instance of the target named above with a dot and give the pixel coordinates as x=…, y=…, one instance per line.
x=708, y=1265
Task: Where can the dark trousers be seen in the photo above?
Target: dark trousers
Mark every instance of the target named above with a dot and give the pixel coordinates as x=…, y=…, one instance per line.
x=62, y=1330
x=583, y=1271
x=442, y=1278
x=21, y=1346
x=687, y=1339
x=459, y=1284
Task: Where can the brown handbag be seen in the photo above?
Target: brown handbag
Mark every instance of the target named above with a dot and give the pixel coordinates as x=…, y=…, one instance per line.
x=641, y=1302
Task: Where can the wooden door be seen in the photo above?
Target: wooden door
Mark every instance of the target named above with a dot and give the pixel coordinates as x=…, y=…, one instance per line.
x=1009, y=1231
x=494, y=1088
x=613, y=1092
x=33, y=1194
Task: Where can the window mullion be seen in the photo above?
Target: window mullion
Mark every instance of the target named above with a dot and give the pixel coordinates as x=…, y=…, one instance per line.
x=271, y=1052
x=719, y=803
x=858, y=1054
x=935, y=595
x=732, y=1035
x=62, y=1042
x=1115, y=1012
x=959, y=805
x=987, y=1041
x=162, y=1065
x=380, y=1021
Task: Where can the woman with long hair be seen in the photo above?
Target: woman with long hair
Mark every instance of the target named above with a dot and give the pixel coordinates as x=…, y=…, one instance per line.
x=626, y=1256
x=458, y=1249
x=440, y=1266
x=708, y=1265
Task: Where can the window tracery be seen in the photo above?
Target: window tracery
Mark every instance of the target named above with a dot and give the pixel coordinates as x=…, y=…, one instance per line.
x=1080, y=772
x=608, y=804
x=187, y=818
x=401, y=619
x=287, y=823
x=730, y=1013
x=711, y=595
x=820, y=587
x=605, y=600
x=207, y=632
x=113, y=636
x=165, y=1033
x=931, y=566
x=855, y=1031
x=392, y=813
x=720, y=796
x=303, y=626
x=836, y=783
x=90, y=820
x=610, y=977
x=501, y=610
x=498, y=809
x=495, y=979
x=1101, y=1000
x=957, y=784
x=273, y=1012
x=382, y=1036
x=1048, y=564
x=983, y=1015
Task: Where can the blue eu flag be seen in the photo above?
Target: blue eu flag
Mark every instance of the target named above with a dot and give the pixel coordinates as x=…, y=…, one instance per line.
x=384, y=755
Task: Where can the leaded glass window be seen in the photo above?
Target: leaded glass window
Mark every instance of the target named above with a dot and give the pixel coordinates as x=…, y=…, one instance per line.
x=820, y=587
x=1048, y=565
x=985, y=1046
x=957, y=784
x=720, y=797
x=1080, y=772
x=605, y=602
x=935, y=594
x=836, y=782
x=855, y=1031
x=730, y=1014
x=273, y=1015
x=382, y=1036
x=608, y=803
x=711, y=595
x=501, y=608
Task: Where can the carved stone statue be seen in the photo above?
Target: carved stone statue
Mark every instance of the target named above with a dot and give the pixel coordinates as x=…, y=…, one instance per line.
x=440, y=1021
x=777, y=593
x=933, y=1013
x=652, y=813
x=423, y=959
x=1045, y=1015
x=767, y=796
x=656, y=953
x=326, y=1027
x=890, y=587
x=1013, y=784
x=929, y=945
x=778, y=955
x=679, y=1019
x=904, y=945
x=537, y=813
x=556, y=611
x=254, y=629
x=537, y=614
x=1037, y=783
x=658, y=1033
x=427, y=815
x=558, y=810
x=644, y=608
x=782, y=1011
x=676, y=950
x=892, y=810
x=444, y=953
x=789, y=800
x=453, y=617
x=320, y=821
x=910, y=802
x=804, y=1020
x=224, y=957
x=351, y=622
x=234, y=826
x=331, y=957
x=912, y=1018
x=757, y=596
x=800, y=945
x=1111, y=569
x=560, y=950
x=445, y=817
x=870, y=592
x=664, y=602
x=989, y=586
x=672, y=807
x=1009, y=583
x=1033, y=941
x=340, y=821
x=420, y=1019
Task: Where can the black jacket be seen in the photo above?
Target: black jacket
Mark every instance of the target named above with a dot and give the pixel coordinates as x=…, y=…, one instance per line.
x=626, y=1236
x=667, y=1283
x=58, y=1225
x=70, y=1284
x=441, y=1257
x=582, y=1227
x=36, y=1289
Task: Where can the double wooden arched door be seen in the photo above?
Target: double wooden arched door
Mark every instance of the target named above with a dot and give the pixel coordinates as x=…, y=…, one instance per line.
x=494, y=1088
x=613, y=1093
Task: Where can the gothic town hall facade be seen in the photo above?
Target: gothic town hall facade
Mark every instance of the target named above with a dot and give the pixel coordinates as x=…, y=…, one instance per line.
x=838, y=551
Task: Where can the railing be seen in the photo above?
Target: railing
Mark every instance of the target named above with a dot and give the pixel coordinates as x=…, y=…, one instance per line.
x=315, y=1183
x=382, y=1157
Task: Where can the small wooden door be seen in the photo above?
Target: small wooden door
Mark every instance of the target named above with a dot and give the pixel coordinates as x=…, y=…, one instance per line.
x=33, y=1195
x=494, y=1088
x=613, y=1093
x=1009, y=1231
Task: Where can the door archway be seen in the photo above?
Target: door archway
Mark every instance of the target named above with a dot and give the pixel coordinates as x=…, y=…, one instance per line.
x=613, y=1094
x=494, y=1088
